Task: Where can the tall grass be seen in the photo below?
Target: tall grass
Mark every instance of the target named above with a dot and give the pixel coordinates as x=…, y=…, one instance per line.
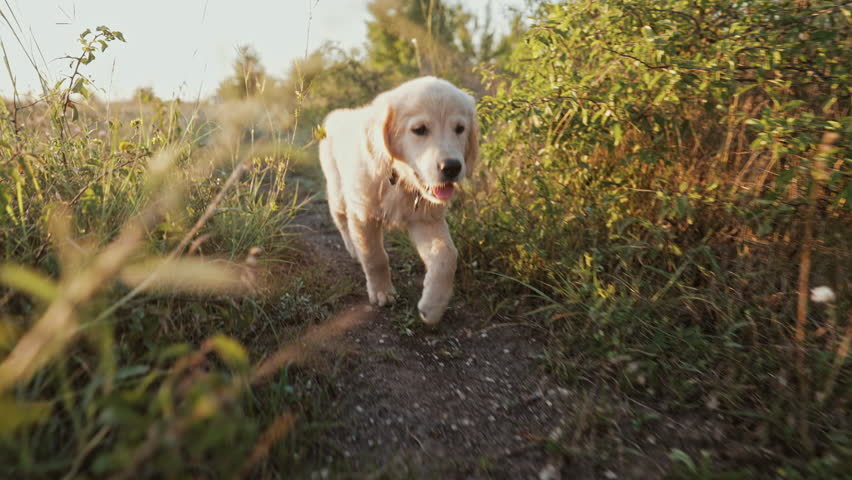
x=139, y=241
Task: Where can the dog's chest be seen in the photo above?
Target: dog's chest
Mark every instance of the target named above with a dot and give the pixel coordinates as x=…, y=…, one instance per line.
x=401, y=207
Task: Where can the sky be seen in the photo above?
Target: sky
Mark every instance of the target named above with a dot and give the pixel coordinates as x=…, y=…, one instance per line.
x=180, y=48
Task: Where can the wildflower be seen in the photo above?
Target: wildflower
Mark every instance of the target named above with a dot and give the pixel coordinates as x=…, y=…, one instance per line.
x=251, y=259
x=823, y=295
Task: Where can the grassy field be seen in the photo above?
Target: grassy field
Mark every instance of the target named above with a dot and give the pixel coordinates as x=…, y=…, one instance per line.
x=661, y=191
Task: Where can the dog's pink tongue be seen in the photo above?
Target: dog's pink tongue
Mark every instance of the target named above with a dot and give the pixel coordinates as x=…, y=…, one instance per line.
x=444, y=192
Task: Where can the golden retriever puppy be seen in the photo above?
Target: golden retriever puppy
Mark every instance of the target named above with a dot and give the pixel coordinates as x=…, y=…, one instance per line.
x=395, y=163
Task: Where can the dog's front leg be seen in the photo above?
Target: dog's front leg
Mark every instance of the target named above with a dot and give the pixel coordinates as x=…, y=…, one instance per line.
x=367, y=239
x=436, y=249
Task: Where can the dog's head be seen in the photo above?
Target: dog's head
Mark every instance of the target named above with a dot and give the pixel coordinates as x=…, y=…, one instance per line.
x=428, y=129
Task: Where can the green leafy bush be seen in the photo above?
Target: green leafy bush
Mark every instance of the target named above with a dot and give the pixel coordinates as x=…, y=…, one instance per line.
x=652, y=170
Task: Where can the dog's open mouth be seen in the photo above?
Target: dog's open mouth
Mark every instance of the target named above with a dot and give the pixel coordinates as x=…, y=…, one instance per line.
x=434, y=193
x=443, y=192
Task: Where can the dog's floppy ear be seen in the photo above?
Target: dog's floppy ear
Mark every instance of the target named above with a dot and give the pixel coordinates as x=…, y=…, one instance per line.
x=380, y=134
x=471, y=148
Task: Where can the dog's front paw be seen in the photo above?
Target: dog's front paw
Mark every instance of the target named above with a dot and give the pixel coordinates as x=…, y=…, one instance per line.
x=430, y=313
x=381, y=296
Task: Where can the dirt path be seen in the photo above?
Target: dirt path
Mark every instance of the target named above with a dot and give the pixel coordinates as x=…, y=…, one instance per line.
x=469, y=399
x=464, y=400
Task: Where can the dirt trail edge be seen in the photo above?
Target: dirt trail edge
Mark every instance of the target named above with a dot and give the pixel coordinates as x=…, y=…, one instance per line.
x=461, y=400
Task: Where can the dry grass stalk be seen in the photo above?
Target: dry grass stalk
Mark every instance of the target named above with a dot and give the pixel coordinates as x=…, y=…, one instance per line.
x=818, y=176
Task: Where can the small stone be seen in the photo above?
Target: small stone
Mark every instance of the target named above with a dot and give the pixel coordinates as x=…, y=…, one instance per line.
x=713, y=402
x=549, y=472
x=610, y=475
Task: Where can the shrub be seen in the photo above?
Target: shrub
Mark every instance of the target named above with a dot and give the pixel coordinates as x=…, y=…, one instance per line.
x=654, y=169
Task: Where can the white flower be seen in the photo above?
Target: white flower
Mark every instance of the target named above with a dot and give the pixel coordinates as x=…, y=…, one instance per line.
x=823, y=295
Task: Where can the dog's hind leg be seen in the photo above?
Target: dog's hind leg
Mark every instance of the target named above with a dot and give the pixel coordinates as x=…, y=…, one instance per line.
x=341, y=222
x=334, y=196
x=338, y=214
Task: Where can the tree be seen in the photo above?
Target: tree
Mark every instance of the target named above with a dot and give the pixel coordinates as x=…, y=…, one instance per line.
x=145, y=95
x=407, y=38
x=249, y=77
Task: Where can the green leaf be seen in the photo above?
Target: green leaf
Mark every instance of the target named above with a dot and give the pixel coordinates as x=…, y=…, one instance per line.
x=78, y=85
x=17, y=414
x=131, y=371
x=785, y=177
x=29, y=281
x=617, y=133
x=678, y=455
x=230, y=350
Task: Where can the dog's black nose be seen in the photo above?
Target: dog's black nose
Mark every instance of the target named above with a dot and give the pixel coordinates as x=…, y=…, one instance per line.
x=450, y=168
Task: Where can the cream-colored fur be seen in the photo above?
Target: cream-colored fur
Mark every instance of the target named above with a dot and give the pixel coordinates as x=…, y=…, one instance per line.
x=383, y=167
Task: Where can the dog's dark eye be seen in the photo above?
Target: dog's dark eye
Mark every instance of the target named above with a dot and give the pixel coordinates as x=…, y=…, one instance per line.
x=459, y=129
x=420, y=131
